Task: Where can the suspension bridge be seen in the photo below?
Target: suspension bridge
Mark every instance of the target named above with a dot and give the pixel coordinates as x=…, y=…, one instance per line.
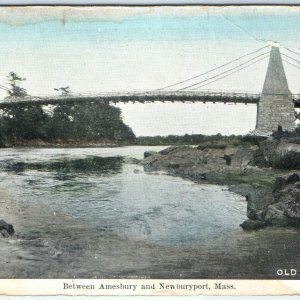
x=275, y=104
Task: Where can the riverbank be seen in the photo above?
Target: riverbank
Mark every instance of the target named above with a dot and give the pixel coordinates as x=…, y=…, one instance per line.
x=264, y=173
x=193, y=139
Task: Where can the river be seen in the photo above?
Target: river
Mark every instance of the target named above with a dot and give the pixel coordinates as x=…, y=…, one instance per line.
x=153, y=206
x=98, y=189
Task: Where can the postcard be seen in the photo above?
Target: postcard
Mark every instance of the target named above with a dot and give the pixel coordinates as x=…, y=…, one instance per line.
x=150, y=150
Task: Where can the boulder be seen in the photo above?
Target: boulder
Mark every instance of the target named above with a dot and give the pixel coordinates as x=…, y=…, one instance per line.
x=258, y=200
x=253, y=225
x=292, y=210
x=243, y=156
x=174, y=148
x=149, y=153
x=267, y=149
x=274, y=215
x=6, y=229
x=131, y=160
x=259, y=159
x=292, y=178
x=282, y=181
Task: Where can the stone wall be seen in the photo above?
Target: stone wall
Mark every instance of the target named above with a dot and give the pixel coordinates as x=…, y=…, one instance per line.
x=275, y=110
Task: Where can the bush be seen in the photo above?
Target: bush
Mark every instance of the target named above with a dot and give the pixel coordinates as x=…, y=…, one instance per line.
x=287, y=160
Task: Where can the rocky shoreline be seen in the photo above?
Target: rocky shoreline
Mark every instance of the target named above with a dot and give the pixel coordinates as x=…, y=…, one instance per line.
x=266, y=174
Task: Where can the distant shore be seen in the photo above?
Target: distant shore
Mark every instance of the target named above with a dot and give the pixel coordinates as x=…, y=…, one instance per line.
x=193, y=139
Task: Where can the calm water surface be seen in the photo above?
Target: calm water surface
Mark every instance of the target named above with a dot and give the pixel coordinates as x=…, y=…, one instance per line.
x=127, y=200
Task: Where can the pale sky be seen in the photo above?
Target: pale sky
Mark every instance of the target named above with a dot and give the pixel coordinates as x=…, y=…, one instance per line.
x=116, y=49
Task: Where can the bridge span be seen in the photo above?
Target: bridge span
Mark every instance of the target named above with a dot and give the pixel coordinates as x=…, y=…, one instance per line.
x=145, y=97
x=141, y=97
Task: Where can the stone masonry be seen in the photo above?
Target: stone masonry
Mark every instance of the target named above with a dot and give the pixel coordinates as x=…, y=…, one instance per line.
x=275, y=107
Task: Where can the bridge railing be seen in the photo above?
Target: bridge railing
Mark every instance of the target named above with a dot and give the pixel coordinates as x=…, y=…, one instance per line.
x=150, y=93
x=229, y=94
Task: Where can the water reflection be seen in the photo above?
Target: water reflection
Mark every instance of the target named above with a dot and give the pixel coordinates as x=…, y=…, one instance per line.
x=102, y=165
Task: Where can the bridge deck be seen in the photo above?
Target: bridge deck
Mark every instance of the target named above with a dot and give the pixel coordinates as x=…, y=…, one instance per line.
x=144, y=97
x=140, y=97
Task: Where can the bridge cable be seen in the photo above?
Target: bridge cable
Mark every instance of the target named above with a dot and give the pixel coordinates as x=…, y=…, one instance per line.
x=290, y=57
x=205, y=80
x=298, y=67
x=4, y=87
x=214, y=69
x=235, y=71
x=291, y=50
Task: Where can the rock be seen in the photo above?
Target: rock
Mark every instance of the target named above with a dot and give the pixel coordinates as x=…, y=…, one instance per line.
x=293, y=178
x=285, y=209
x=274, y=215
x=283, y=181
x=131, y=160
x=280, y=183
x=253, y=225
x=6, y=229
x=267, y=150
x=293, y=210
x=243, y=156
x=16, y=167
x=171, y=149
x=150, y=160
x=149, y=153
x=173, y=165
x=258, y=200
x=259, y=159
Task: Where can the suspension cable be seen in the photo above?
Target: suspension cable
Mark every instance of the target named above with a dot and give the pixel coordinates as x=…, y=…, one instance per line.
x=290, y=57
x=215, y=76
x=235, y=71
x=288, y=62
x=214, y=69
x=291, y=50
x=4, y=87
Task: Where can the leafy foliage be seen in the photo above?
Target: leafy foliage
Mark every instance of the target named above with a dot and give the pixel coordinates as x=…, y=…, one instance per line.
x=63, y=90
x=14, y=81
x=83, y=122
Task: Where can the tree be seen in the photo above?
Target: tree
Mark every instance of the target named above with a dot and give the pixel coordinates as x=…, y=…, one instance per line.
x=15, y=89
x=64, y=90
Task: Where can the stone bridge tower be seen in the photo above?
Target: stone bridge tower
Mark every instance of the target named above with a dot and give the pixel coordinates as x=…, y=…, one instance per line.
x=275, y=107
